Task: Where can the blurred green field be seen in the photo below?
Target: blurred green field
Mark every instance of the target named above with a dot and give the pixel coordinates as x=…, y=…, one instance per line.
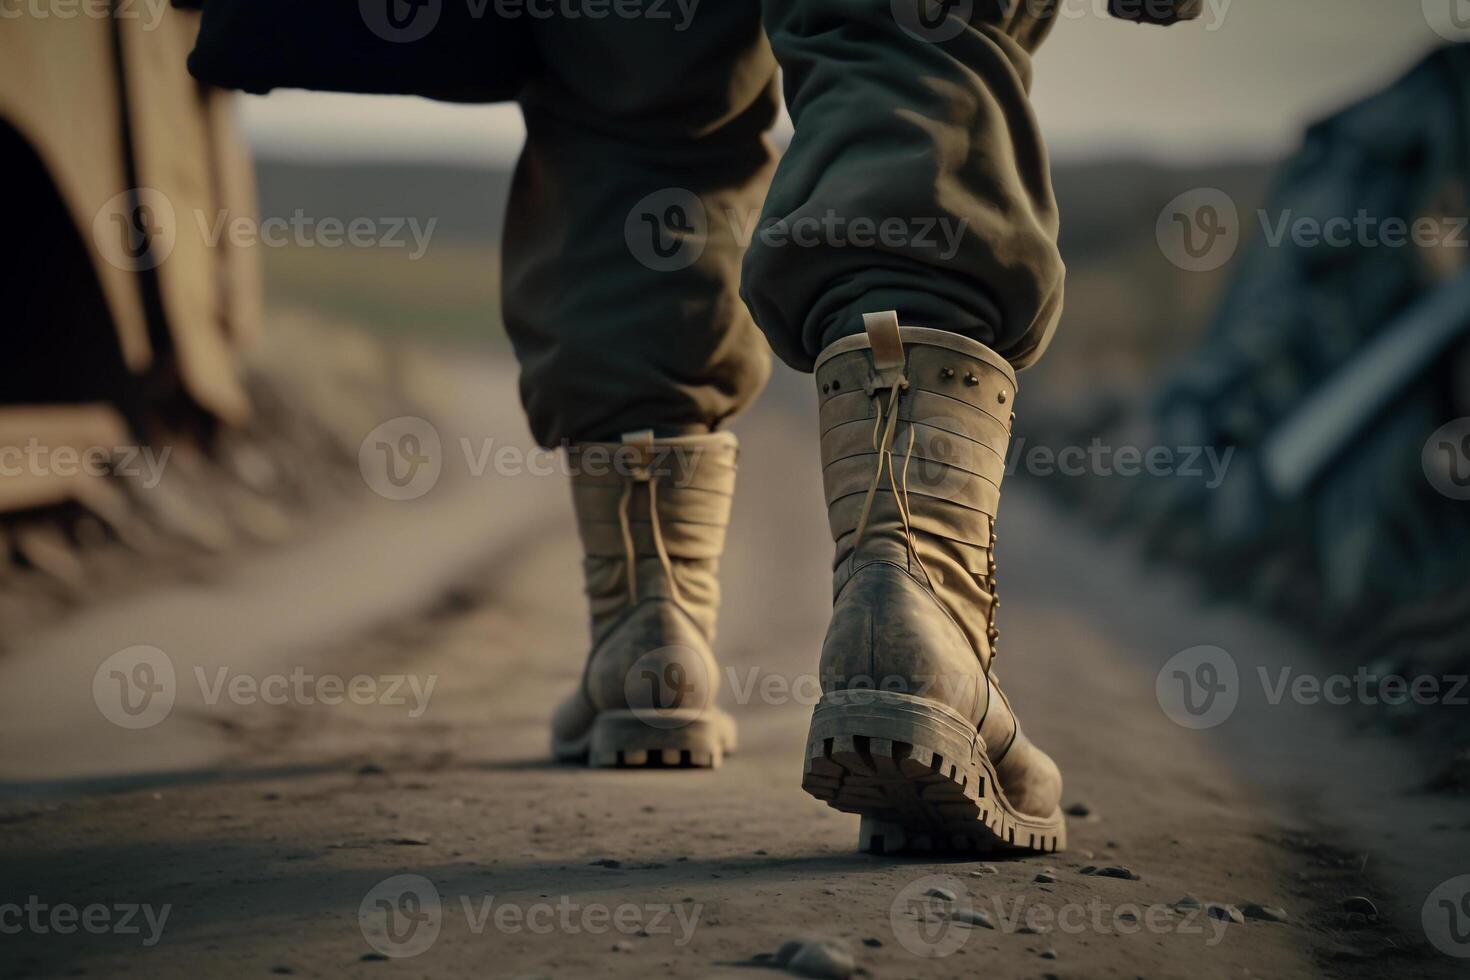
x=449, y=295
x=1128, y=311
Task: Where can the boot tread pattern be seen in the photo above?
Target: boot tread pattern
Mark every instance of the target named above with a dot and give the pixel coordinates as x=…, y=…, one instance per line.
x=627, y=740
x=911, y=796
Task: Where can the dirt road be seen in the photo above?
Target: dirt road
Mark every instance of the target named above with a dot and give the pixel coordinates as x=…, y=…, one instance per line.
x=238, y=837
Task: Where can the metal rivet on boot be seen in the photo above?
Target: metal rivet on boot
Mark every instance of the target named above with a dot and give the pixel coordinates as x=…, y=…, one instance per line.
x=836, y=385
x=947, y=373
x=1002, y=396
x=826, y=388
x=970, y=379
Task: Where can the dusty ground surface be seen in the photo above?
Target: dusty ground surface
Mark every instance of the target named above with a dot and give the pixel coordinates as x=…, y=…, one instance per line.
x=254, y=839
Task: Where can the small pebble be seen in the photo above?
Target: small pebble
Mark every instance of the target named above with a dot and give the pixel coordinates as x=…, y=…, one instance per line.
x=943, y=894
x=825, y=959
x=606, y=863
x=1048, y=954
x=1113, y=871
x=1265, y=913
x=372, y=957
x=1358, y=903
x=622, y=946
x=973, y=917
x=410, y=840
x=1187, y=902
x=873, y=941
x=1079, y=810
x=1045, y=877
x=1225, y=913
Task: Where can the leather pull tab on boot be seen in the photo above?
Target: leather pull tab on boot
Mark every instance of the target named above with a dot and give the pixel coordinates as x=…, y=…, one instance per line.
x=642, y=438
x=887, y=347
x=883, y=334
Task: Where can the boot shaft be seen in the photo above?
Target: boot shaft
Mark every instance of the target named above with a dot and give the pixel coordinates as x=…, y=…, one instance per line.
x=915, y=424
x=652, y=515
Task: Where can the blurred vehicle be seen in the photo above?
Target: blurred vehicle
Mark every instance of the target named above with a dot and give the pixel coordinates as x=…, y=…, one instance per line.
x=124, y=306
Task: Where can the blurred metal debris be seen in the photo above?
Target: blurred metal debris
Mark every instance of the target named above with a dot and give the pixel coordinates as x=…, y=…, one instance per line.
x=1303, y=445
x=1326, y=369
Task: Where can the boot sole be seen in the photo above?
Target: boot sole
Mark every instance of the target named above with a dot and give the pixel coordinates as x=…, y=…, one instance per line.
x=682, y=740
x=918, y=775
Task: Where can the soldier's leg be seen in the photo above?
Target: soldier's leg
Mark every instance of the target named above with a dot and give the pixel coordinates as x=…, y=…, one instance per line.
x=621, y=297
x=902, y=117
x=636, y=127
x=914, y=206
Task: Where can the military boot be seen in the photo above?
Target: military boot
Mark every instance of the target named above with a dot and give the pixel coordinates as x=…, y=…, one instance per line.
x=652, y=515
x=912, y=731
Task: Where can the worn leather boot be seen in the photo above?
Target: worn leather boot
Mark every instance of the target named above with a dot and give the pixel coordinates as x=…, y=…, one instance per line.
x=652, y=515
x=912, y=731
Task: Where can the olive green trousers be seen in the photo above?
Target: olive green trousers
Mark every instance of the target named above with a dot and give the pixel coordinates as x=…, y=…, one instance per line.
x=654, y=232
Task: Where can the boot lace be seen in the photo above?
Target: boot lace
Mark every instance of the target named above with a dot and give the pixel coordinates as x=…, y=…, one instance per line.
x=887, y=421
x=638, y=475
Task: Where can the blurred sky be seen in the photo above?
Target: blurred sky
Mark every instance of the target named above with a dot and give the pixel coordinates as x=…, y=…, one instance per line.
x=1240, y=82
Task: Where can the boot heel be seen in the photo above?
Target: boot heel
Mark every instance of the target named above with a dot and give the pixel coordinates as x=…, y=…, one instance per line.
x=918, y=775
x=622, y=739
